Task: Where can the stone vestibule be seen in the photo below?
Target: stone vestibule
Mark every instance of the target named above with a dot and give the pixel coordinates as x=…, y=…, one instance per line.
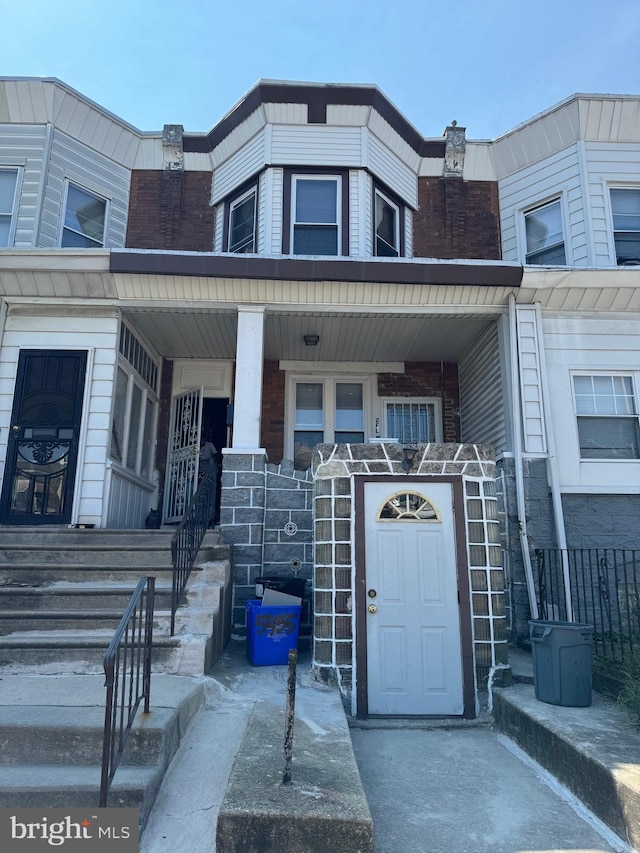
x=306, y=524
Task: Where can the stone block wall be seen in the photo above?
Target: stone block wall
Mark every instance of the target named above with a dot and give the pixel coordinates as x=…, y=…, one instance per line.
x=602, y=521
x=266, y=514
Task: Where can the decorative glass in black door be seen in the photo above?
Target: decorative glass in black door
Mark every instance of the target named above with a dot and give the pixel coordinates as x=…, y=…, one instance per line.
x=42, y=449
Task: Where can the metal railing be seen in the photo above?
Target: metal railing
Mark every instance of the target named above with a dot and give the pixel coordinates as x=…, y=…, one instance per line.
x=127, y=669
x=187, y=539
x=605, y=593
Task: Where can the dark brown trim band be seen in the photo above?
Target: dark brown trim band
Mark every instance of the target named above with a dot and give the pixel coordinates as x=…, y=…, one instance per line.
x=317, y=99
x=210, y=265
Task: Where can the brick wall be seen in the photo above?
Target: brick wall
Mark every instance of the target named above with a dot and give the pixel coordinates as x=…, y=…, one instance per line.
x=170, y=210
x=272, y=419
x=457, y=219
x=428, y=379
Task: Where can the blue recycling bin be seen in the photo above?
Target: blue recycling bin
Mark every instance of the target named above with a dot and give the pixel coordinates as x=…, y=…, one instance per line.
x=271, y=632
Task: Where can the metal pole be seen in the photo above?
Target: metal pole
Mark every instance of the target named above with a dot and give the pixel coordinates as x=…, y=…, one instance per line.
x=290, y=715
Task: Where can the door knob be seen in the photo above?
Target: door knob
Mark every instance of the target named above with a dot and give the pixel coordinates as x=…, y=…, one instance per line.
x=16, y=428
x=372, y=608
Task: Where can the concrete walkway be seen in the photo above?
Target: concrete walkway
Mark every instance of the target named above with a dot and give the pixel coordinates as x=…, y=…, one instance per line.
x=464, y=791
x=446, y=788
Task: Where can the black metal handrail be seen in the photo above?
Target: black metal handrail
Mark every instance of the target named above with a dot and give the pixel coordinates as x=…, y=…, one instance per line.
x=127, y=669
x=187, y=539
x=605, y=593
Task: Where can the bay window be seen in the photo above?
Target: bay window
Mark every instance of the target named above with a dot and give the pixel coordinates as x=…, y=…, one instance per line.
x=544, y=235
x=315, y=215
x=242, y=222
x=84, y=219
x=8, y=203
x=625, y=207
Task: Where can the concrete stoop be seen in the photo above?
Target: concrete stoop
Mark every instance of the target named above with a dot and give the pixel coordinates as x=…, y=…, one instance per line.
x=51, y=734
x=323, y=809
x=593, y=751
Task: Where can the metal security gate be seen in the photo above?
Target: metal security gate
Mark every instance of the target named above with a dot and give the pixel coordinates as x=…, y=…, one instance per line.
x=184, y=448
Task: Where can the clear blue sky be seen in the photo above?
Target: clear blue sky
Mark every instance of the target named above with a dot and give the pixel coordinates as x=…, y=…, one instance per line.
x=488, y=65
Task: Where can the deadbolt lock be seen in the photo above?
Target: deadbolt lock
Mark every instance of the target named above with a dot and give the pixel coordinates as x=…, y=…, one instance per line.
x=372, y=593
x=372, y=608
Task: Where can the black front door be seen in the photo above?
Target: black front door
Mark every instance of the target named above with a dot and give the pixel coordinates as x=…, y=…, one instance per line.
x=43, y=438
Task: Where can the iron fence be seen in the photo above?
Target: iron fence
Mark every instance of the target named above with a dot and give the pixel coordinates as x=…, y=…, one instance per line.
x=186, y=541
x=127, y=669
x=605, y=592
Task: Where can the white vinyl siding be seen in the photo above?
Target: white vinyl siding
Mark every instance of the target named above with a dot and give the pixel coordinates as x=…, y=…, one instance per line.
x=273, y=240
x=555, y=177
x=24, y=147
x=315, y=145
x=73, y=162
x=238, y=169
x=588, y=346
x=357, y=190
x=482, y=404
x=54, y=330
x=392, y=171
x=219, y=232
x=609, y=164
x=408, y=233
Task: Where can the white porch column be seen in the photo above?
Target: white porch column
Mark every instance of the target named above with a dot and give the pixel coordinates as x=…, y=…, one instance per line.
x=248, y=387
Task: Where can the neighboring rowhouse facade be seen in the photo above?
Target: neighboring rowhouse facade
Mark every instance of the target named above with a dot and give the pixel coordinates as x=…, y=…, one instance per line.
x=341, y=306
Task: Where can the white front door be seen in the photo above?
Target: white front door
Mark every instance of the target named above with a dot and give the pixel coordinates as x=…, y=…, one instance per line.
x=414, y=650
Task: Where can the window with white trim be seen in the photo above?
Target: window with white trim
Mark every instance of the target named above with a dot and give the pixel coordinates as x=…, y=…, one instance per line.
x=8, y=203
x=544, y=235
x=387, y=230
x=315, y=215
x=413, y=420
x=607, y=416
x=135, y=406
x=326, y=411
x=242, y=222
x=625, y=209
x=84, y=219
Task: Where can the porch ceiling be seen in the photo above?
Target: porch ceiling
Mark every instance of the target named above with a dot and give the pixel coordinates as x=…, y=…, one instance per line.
x=344, y=337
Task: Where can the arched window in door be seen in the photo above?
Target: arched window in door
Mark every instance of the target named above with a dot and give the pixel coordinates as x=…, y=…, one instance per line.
x=408, y=506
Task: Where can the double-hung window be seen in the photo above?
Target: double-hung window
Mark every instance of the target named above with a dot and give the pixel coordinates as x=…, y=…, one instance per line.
x=387, y=236
x=607, y=416
x=84, y=219
x=544, y=235
x=242, y=222
x=326, y=411
x=134, y=406
x=315, y=214
x=413, y=420
x=8, y=194
x=625, y=207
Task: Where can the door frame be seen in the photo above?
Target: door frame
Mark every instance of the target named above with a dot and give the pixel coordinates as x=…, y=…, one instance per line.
x=84, y=395
x=464, y=592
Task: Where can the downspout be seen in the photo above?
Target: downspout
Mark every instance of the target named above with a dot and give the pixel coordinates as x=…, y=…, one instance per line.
x=552, y=469
x=517, y=447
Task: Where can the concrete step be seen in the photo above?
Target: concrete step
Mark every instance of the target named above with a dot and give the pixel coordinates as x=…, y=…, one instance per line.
x=37, y=735
x=71, y=786
x=594, y=751
x=62, y=537
x=37, y=574
x=80, y=595
x=73, y=651
x=51, y=741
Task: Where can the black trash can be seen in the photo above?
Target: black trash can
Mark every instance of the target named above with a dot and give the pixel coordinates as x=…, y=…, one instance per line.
x=562, y=662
